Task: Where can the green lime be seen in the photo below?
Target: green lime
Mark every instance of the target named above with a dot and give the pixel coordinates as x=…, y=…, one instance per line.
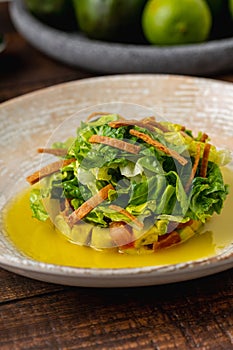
x=109, y=19
x=169, y=22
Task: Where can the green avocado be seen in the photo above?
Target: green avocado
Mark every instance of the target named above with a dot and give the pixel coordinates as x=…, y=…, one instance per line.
x=110, y=19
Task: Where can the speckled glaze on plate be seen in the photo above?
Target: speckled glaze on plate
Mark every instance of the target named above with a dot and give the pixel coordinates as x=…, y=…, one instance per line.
x=28, y=121
x=75, y=49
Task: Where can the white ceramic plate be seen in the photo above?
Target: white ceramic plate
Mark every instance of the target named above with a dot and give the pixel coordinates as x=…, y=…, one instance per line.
x=28, y=121
x=74, y=48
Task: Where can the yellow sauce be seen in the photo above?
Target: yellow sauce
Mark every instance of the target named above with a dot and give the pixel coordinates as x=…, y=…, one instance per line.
x=40, y=241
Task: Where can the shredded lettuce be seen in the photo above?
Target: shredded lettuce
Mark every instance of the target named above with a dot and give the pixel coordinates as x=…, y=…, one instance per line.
x=149, y=185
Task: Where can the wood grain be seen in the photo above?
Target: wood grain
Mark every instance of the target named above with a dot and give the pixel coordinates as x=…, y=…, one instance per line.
x=14, y=287
x=189, y=315
x=23, y=69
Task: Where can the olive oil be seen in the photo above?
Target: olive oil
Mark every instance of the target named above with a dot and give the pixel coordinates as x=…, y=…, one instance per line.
x=40, y=240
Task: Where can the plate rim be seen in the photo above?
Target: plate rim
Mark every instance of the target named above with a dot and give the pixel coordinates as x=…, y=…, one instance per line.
x=223, y=261
x=115, y=277
x=129, y=76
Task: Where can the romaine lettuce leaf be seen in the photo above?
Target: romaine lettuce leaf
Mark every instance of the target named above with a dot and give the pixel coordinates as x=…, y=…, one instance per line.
x=37, y=206
x=208, y=194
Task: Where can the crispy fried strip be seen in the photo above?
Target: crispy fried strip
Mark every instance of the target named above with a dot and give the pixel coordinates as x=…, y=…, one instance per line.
x=186, y=136
x=127, y=214
x=60, y=152
x=167, y=241
x=151, y=118
x=157, y=125
x=48, y=170
x=194, y=168
x=146, y=124
x=121, y=233
x=159, y=146
x=125, y=146
x=204, y=137
x=90, y=204
x=205, y=159
x=119, y=123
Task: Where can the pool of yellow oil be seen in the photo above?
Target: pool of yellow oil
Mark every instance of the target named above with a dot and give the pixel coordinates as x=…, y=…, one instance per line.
x=40, y=241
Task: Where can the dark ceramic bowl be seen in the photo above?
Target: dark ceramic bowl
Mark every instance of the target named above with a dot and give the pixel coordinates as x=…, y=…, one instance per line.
x=75, y=49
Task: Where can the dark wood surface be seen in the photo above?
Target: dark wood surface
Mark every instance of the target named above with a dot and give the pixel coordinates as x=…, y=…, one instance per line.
x=196, y=314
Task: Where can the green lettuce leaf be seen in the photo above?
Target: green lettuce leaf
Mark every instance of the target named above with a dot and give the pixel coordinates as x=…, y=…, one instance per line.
x=37, y=206
x=208, y=194
x=150, y=185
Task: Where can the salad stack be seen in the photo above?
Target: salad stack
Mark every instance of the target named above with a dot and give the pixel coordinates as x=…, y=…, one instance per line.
x=132, y=185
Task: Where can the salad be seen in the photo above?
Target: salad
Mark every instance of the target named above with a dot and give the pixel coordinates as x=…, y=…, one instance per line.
x=133, y=185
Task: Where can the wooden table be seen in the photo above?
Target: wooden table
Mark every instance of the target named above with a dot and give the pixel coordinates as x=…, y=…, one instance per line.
x=196, y=314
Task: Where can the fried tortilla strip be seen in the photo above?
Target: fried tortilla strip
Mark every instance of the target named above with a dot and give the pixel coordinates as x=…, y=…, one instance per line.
x=204, y=137
x=119, y=123
x=121, y=233
x=48, y=170
x=90, y=204
x=159, y=146
x=110, y=141
x=60, y=152
x=185, y=135
x=167, y=240
x=205, y=160
x=157, y=125
x=127, y=214
x=194, y=168
x=146, y=124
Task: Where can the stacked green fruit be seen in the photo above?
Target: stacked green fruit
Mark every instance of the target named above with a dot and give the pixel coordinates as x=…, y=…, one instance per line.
x=109, y=19
x=168, y=22
x=156, y=22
